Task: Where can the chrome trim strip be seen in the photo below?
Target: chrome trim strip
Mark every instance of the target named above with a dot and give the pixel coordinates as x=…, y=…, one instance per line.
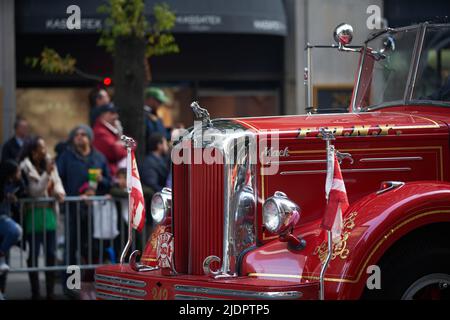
x=113, y=288
x=391, y=159
x=347, y=170
x=119, y=280
x=109, y=296
x=187, y=297
x=309, y=161
x=298, y=161
x=240, y=293
x=394, y=185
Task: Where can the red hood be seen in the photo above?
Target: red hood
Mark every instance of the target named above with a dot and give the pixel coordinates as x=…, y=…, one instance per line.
x=369, y=123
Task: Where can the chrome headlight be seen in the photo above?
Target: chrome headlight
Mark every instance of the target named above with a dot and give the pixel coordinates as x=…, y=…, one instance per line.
x=279, y=213
x=161, y=205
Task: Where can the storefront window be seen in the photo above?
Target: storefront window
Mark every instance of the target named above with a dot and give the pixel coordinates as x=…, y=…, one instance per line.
x=53, y=112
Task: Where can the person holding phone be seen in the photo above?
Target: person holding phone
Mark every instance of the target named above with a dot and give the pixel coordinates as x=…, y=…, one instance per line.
x=42, y=179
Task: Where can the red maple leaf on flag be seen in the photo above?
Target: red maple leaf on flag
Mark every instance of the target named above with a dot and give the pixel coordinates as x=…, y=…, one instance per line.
x=137, y=201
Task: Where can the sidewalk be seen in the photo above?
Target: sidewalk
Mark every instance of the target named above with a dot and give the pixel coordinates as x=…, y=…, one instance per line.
x=18, y=287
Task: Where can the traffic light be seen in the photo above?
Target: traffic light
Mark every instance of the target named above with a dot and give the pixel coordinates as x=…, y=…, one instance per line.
x=107, y=81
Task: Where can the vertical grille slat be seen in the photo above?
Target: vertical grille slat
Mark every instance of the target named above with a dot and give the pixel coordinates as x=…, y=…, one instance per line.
x=180, y=190
x=198, y=223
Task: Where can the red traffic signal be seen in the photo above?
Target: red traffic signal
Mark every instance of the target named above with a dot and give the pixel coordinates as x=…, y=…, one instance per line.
x=107, y=81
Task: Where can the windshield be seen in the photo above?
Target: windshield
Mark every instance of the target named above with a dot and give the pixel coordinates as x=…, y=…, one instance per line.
x=433, y=75
x=386, y=68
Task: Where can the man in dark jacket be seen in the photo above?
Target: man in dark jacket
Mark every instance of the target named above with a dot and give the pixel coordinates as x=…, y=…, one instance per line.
x=74, y=163
x=154, y=99
x=75, y=167
x=155, y=168
x=12, y=148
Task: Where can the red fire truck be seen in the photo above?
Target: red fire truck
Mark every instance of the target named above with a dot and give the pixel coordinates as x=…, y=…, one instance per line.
x=226, y=228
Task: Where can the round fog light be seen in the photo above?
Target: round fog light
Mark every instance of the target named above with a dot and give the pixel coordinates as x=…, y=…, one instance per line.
x=161, y=205
x=272, y=216
x=279, y=213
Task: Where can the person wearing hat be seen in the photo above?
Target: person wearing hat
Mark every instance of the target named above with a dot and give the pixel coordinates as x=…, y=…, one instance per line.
x=77, y=158
x=154, y=99
x=75, y=166
x=107, y=134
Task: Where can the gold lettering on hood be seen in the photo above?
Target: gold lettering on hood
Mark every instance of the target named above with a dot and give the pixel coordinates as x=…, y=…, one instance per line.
x=360, y=130
x=356, y=130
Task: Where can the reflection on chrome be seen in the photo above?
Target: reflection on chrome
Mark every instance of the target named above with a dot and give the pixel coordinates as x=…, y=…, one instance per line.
x=239, y=157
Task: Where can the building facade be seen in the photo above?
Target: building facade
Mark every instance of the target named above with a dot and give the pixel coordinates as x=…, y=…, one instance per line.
x=238, y=58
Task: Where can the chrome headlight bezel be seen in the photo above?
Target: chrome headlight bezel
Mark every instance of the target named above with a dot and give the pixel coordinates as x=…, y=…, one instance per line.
x=281, y=209
x=161, y=205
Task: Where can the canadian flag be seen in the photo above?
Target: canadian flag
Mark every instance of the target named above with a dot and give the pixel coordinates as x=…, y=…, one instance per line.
x=137, y=202
x=337, y=198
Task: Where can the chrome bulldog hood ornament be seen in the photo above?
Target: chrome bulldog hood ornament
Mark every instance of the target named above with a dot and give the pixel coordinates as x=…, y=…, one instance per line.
x=201, y=114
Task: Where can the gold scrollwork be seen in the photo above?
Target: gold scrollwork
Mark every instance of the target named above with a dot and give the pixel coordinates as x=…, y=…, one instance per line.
x=154, y=238
x=339, y=248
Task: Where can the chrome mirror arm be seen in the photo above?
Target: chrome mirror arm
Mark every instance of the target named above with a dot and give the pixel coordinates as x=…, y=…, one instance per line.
x=308, y=71
x=349, y=49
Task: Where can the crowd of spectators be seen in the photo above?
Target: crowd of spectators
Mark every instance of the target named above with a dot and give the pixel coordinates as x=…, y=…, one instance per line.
x=91, y=161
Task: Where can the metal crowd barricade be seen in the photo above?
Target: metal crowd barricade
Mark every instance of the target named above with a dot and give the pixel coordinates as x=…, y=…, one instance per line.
x=75, y=239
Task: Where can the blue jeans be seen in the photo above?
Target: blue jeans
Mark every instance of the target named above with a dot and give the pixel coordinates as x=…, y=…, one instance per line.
x=10, y=233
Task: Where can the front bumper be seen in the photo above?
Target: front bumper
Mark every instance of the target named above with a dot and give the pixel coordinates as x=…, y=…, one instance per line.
x=116, y=282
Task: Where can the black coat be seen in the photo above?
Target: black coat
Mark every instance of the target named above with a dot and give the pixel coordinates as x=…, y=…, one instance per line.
x=11, y=150
x=154, y=172
x=73, y=170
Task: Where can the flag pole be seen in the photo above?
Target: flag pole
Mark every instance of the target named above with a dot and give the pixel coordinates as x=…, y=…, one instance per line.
x=328, y=136
x=129, y=143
